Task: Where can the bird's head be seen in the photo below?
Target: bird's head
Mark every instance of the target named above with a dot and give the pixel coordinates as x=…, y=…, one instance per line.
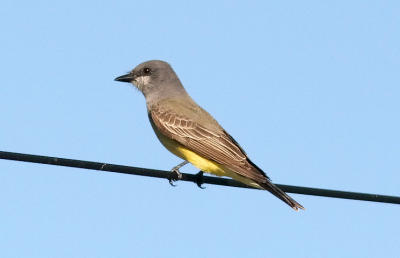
x=149, y=76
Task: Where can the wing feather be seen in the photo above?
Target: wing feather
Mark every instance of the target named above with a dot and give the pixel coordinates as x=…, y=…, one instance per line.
x=217, y=146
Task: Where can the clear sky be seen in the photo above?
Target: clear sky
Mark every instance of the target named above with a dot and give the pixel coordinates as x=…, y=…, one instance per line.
x=310, y=89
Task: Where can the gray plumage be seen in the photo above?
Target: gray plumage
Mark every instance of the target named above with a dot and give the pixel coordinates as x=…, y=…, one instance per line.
x=176, y=116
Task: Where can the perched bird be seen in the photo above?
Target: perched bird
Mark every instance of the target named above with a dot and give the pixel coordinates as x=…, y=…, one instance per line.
x=191, y=133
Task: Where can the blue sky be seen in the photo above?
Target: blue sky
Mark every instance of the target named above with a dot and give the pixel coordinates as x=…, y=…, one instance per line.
x=309, y=89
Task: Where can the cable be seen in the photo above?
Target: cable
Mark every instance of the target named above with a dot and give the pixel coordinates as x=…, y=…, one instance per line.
x=190, y=177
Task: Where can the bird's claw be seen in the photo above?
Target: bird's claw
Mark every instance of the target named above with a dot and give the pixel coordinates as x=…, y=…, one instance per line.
x=174, y=176
x=200, y=179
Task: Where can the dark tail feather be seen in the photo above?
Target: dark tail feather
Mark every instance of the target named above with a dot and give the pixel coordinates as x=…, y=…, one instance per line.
x=281, y=195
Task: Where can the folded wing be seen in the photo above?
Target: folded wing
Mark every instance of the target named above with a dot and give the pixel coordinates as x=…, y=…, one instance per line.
x=217, y=146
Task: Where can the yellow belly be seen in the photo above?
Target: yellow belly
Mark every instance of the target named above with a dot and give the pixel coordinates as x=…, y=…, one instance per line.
x=203, y=164
x=198, y=161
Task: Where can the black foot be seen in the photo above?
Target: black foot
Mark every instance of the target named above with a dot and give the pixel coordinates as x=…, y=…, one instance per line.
x=200, y=179
x=174, y=176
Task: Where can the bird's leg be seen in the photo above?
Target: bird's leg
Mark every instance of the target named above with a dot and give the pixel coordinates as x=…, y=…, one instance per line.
x=200, y=179
x=175, y=175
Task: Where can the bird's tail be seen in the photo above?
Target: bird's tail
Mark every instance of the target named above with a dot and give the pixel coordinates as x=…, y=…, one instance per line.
x=269, y=186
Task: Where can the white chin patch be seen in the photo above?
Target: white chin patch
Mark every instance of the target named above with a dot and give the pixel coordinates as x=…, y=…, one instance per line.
x=142, y=81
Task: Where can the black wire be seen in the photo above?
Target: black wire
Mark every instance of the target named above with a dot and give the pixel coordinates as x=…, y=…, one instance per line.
x=190, y=177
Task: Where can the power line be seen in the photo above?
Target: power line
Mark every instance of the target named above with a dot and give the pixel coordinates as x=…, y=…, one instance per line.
x=190, y=177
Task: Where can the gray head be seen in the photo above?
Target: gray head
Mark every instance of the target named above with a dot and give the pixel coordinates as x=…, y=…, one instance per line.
x=154, y=78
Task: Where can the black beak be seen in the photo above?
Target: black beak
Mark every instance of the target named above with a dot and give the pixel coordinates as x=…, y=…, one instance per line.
x=125, y=78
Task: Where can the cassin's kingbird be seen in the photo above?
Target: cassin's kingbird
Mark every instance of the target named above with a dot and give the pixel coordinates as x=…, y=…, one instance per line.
x=191, y=133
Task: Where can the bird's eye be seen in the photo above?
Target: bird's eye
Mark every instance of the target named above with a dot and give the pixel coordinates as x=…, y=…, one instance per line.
x=146, y=70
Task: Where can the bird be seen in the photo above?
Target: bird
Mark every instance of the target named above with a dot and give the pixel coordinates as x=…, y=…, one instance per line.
x=191, y=133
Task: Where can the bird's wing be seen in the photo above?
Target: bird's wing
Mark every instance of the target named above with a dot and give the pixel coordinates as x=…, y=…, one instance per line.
x=217, y=146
